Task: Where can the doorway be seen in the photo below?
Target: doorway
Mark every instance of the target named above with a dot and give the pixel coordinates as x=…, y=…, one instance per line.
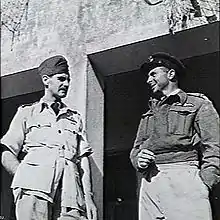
x=17, y=89
x=126, y=99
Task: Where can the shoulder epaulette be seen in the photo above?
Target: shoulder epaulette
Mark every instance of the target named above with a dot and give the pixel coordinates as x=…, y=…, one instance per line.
x=28, y=104
x=74, y=112
x=199, y=95
x=146, y=114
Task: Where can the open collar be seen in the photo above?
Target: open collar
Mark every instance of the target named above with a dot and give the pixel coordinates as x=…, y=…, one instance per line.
x=180, y=93
x=183, y=96
x=44, y=104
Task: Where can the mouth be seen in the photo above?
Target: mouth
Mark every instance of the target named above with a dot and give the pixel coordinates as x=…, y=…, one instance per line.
x=153, y=85
x=63, y=89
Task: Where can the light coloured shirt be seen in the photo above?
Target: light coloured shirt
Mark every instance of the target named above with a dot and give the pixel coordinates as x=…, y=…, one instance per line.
x=54, y=145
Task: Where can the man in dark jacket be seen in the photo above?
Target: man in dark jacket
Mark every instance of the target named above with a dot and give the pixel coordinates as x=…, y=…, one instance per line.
x=177, y=148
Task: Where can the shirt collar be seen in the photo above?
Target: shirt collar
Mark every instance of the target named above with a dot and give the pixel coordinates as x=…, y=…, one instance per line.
x=182, y=95
x=43, y=104
x=176, y=91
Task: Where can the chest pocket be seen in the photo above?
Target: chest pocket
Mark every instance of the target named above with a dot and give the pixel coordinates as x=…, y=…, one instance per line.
x=149, y=122
x=71, y=126
x=180, y=120
x=33, y=126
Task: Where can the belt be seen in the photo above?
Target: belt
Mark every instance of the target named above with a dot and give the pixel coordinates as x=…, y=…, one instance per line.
x=63, y=153
x=180, y=156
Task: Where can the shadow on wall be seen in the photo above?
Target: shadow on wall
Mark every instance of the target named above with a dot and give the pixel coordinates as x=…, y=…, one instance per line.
x=96, y=183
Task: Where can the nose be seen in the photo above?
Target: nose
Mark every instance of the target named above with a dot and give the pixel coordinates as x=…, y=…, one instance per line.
x=149, y=79
x=66, y=83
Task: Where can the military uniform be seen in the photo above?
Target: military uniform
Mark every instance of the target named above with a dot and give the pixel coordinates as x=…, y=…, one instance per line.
x=182, y=130
x=54, y=145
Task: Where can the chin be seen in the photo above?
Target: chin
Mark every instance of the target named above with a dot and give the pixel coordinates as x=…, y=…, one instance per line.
x=62, y=95
x=155, y=90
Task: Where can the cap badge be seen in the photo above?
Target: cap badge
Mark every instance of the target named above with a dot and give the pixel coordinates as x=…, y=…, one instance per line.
x=151, y=59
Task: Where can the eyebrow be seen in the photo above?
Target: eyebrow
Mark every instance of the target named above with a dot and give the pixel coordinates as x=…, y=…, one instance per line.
x=64, y=77
x=151, y=73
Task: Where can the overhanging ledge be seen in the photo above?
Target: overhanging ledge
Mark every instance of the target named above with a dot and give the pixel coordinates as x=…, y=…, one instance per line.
x=185, y=44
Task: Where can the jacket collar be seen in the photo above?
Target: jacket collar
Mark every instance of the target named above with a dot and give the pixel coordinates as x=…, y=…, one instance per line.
x=183, y=96
x=180, y=93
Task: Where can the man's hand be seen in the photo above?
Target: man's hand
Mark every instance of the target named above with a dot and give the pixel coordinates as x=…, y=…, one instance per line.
x=144, y=158
x=9, y=162
x=90, y=208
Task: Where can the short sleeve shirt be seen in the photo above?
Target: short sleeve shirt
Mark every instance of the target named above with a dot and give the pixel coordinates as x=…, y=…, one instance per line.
x=36, y=125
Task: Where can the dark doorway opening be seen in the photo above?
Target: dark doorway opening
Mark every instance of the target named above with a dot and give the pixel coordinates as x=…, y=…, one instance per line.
x=126, y=99
x=16, y=89
x=9, y=107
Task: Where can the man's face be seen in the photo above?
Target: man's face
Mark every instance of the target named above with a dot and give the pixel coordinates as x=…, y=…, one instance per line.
x=157, y=79
x=58, y=85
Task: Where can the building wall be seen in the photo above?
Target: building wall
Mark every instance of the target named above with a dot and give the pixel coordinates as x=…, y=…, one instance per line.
x=75, y=29
x=95, y=130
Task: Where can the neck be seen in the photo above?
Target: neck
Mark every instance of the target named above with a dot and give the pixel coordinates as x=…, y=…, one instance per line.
x=171, y=88
x=48, y=97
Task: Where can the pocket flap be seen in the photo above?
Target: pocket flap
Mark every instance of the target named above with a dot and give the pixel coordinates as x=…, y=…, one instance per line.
x=41, y=156
x=183, y=110
x=72, y=127
x=38, y=124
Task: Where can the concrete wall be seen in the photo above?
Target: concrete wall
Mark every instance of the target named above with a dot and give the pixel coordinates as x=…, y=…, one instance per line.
x=95, y=130
x=75, y=29
x=80, y=27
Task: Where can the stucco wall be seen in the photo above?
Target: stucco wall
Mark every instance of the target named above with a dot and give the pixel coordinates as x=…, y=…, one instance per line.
x=95, y=130
x=75, y=29
x=80, y=27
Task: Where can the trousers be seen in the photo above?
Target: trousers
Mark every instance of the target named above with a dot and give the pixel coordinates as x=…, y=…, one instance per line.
x=175, y=191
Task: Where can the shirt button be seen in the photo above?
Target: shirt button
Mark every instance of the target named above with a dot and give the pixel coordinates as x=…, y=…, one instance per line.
x=59, y=131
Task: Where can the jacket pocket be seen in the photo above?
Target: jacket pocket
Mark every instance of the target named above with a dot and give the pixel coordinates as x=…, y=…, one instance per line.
x=33, y=177
x=41, y=156
x=180, y=120
x=149, y=123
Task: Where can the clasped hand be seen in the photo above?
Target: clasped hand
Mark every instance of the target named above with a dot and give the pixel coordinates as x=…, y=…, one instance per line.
x=144, y=158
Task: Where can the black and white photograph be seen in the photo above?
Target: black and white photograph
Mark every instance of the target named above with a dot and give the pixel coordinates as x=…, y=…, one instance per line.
x=110, y=110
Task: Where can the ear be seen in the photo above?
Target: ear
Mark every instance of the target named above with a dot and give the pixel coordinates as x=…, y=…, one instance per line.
x=45, y=80
x=171, y=74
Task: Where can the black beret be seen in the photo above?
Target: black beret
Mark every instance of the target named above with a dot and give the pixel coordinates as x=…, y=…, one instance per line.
x=53, y=65
x=163, y=59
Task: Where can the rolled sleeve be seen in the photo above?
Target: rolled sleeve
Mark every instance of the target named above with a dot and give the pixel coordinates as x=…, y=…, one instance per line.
x=14, y=137
x=208, y=122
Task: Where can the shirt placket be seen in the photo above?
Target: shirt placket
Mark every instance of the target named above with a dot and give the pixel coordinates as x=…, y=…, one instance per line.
x=59, y=131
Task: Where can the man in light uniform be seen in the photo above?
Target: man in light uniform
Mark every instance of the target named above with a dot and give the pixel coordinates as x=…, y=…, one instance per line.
x=53, y=181
x=177, y=148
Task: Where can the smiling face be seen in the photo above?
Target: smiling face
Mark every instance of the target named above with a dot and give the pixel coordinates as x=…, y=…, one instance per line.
x=57, y=85
x=158, y=79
